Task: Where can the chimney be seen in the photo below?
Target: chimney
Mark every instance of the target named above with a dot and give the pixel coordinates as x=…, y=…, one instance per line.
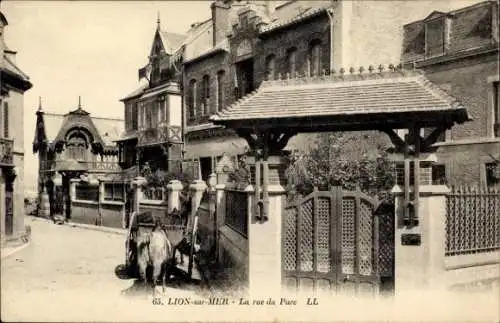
x=220, y=20
x=269, y=8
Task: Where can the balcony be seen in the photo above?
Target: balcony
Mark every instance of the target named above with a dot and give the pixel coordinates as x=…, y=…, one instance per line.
x=6, y=152
x=102, y=166
x=161, y=134
x=96, y=166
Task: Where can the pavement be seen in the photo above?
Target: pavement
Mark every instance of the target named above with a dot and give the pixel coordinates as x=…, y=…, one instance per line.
x=67, y=273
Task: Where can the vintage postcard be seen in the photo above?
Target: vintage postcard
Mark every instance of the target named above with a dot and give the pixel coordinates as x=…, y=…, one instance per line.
x=250, y=161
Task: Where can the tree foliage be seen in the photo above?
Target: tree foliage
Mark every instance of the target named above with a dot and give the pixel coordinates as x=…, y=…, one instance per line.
x=348, y=160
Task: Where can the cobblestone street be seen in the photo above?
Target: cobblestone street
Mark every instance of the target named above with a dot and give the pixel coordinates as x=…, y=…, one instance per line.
x=67, y=273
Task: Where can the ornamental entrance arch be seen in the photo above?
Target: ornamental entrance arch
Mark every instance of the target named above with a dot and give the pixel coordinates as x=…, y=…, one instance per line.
x=384, y=100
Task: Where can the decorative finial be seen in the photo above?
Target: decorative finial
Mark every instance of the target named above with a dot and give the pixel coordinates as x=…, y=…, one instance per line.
x=400, y=66
x=158, y=20
x=361, y=69
x=79, y=102
x=370, y=68
x=39, y=103
x=342, y=71
x=351, y=70
x=391, y=67
x=381, y=68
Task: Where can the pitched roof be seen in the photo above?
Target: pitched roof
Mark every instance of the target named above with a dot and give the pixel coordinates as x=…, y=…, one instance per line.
x=293, y=12
x=171, y=41
x=136, y=92
x=8, y=66
x=199, y=40
x=109, y=129
x=405, y=93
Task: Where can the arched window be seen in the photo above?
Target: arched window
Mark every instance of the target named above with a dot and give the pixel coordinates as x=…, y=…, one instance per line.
x=76, y=147
x=315, y=57
x=291, y=60
x=205, y=99
x=220, y=90
x=271, y=67
x=192, y=99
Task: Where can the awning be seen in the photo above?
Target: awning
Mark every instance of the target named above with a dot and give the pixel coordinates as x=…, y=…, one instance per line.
x=215, y=147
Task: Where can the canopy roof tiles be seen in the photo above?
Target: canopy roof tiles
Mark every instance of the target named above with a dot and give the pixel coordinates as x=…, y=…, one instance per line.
x=363, y=101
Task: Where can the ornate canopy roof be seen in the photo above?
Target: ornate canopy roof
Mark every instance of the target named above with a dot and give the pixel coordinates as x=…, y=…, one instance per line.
x=372, y=100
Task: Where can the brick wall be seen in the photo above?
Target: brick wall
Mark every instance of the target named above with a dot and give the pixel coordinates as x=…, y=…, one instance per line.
x=467, y=81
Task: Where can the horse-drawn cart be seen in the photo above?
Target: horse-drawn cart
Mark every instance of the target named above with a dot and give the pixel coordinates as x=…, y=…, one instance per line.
x=179, y=232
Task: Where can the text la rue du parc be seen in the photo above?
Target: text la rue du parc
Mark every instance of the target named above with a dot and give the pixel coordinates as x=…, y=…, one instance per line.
x=180, y=301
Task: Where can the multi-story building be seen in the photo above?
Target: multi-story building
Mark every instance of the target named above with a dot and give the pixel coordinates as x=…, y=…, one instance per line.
x=13, y=83
x=244, y=42
x=458, y=50
x=74, y=144
x=153, y=113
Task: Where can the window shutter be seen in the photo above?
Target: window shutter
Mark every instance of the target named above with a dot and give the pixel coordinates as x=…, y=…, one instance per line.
x=6, y=120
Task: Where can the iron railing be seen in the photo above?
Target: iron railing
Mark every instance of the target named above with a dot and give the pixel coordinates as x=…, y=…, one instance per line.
x=472, y=220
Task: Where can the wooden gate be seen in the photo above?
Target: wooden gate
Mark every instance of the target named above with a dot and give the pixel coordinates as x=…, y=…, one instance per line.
x=331, y=243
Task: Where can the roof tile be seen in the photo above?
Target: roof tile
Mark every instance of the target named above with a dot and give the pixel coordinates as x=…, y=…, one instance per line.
x=331, y=95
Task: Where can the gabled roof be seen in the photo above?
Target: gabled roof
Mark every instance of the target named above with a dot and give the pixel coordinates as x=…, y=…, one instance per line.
x=366, y=100
x=435, y=14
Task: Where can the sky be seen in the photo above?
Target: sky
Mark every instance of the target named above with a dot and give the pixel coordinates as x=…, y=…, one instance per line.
x=90, y=49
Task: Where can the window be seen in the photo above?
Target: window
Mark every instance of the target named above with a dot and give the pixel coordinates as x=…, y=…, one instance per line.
x=291, y=61
x=435, y=38
x=439, y=175
x=492, y=174
x=271, y=67
x=315, y=58
x=134, y=116
x=114, y=192
x=220, y=90
x=6, y=120
x=76, y=148
x=84, y=192
x=161, y=106
x=496, y=109
x=192, y=99
x=205, y=103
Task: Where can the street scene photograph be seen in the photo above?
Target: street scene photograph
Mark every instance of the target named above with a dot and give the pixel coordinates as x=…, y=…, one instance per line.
x=250, y=161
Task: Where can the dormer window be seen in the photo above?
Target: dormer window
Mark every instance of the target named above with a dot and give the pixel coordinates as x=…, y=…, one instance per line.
x=435, y=37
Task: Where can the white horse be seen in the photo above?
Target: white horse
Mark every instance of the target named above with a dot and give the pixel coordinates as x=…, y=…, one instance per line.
x=154, y=251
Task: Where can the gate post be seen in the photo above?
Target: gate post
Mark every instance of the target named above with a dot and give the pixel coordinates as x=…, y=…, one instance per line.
x=420, y=249
x=173, y=188
x=264, y=235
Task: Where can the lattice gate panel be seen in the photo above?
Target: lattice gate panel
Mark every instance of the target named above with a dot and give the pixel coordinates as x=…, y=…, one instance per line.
x=348, y=235
x=322, y=235
x=290, y=240
x=365, y=242
x=386, y=243
x=306, y=236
